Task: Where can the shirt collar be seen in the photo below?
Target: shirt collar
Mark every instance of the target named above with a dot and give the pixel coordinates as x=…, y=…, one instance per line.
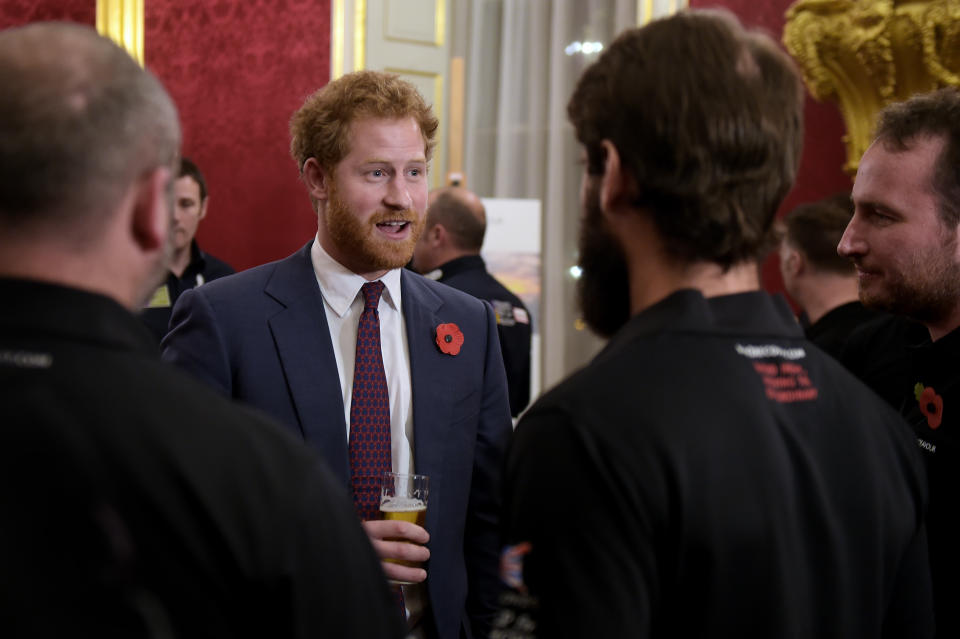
x=197, y=261
x=753, y=314
x=340, y=286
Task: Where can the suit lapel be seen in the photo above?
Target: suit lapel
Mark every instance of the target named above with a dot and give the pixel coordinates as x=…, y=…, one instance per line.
x=432, y=403
x=302, y=339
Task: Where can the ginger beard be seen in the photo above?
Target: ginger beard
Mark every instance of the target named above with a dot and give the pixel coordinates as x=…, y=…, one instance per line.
x=363, y=242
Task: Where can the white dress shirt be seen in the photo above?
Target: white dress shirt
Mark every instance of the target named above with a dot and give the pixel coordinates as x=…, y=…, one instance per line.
x=343, y=303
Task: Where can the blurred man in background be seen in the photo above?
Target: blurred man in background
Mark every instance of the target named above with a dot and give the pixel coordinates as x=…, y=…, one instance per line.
x=449, y=252
x=823, y=284
x=189, y=266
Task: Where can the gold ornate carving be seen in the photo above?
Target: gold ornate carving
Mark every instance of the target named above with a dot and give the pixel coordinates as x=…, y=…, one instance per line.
x=865, y=54
x=122, y=22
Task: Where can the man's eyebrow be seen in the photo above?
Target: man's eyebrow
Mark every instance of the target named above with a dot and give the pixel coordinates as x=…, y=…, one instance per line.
x=873, y=205
x=376, y=160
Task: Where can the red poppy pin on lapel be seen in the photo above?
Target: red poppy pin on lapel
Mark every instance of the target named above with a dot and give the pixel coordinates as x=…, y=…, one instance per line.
x=931, y=404
x=449, y=338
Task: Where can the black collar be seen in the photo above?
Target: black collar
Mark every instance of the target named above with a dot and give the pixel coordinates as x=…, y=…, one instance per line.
x=197, y=261
x=461, y=264
x=40, y=308
x=754, y=315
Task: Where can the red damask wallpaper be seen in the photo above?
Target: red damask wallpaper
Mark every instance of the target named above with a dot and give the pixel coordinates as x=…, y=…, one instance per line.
x=820, y=172
x=17, y=12
x=237, y=70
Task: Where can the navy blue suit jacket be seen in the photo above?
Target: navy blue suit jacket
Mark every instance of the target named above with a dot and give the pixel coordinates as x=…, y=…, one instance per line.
x=261, y=337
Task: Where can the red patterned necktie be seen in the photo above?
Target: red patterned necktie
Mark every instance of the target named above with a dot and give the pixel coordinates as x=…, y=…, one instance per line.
x=369, y=446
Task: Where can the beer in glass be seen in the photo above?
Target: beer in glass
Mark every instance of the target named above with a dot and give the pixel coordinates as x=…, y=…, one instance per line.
x=404, y=497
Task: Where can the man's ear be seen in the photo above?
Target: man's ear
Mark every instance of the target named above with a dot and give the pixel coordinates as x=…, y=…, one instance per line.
x=152, y=211
x=437, y=234
x=795, y=262
x=616, y=186
x=317, y=180
x=203, y=208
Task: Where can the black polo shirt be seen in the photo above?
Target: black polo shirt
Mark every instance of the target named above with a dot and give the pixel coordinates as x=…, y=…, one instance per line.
x=831, y=331
x=710, y=474
x=202, y=268
x=921, y=379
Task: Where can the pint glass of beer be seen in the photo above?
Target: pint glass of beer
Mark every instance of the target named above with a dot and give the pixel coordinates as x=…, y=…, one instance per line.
x=404, y=497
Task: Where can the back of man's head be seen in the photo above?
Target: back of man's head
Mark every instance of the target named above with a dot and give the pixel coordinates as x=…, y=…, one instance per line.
x=815, y=230
x=462, y=215
x=712, y=139
x=934, y=115
x=80, y=122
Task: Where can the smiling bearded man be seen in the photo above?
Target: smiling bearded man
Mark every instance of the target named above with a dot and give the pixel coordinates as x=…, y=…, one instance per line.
x=904, y=239
x=286, y=336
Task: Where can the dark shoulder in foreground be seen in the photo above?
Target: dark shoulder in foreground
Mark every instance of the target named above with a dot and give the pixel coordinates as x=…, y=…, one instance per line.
x=123, y=480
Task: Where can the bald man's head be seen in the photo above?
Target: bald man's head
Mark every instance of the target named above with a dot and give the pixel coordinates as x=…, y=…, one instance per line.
x=89, y=141
x=456, y=223
x=80, y=121
x=461, y=213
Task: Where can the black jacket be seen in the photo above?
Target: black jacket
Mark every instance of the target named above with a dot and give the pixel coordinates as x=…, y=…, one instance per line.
x=134, y=502
x=202, y=268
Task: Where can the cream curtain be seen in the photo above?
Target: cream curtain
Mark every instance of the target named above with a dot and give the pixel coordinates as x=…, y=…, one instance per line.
x=523, y=61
